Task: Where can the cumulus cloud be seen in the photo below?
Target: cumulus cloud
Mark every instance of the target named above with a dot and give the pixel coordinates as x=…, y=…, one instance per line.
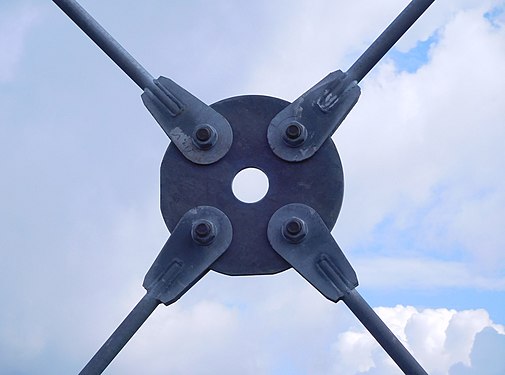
x=440, y=339
x=488, y=345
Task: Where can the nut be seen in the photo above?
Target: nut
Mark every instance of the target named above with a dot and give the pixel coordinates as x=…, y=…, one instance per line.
x=294, y=230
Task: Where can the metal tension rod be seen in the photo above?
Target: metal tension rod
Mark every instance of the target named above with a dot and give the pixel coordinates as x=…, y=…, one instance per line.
x=123, y=333
x=298, y=234
x=387, y=39
x=300, y=129
x=202, y=235
x=199, y=132
x=106, y=42
x=373, y=54
x=114, y=50
x=380, y=331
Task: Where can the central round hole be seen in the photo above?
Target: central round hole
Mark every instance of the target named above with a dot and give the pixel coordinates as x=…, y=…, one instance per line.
x=250, y=185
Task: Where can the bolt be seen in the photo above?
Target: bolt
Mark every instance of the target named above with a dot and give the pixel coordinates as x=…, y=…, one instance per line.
x=203, y=134
x=293, y=131
x=294, y=230
x=294, y=227
x=202, y=229
x=204, y=137
x=203, y=232
x=295, y=134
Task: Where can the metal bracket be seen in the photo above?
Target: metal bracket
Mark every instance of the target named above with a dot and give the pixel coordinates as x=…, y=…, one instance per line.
x=298, y=234
x=202, y=135
x=202, y=235
x=298, y=131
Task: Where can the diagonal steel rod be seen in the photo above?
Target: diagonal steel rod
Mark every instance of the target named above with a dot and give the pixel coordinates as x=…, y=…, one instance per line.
x=114, y=50
x=123, y=333
x=389, y=342
x=387, y=39
x=106, y=42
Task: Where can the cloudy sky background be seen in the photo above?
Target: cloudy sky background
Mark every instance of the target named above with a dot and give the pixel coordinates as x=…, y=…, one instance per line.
x=423, y=214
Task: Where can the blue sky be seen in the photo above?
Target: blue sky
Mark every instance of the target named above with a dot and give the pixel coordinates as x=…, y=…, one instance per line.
x=423, y=213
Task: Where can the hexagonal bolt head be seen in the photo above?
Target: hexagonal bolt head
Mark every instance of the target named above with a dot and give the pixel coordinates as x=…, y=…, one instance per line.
x=204, y=136
x=294, y=230
x=295, y=134
x=203, y=232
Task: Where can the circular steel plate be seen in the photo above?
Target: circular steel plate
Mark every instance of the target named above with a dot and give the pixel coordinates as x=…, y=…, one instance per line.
x=316, y=182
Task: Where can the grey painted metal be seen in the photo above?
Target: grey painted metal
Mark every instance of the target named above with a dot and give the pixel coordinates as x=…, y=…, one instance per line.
x=290, y=226
x=184, y=260
x=177, y=111
x=181, y=127
x=324, y=107
x=181, y=263
x=123, y=333
x=106, y=42
x=319, y=120
x=318, y=258
x=317, y=182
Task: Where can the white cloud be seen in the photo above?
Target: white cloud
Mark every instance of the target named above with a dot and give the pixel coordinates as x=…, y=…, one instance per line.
x=423, y=152
x=309, y=40
x=488, y=344
x=14, y=27
x=438, y=338
x=441, y=13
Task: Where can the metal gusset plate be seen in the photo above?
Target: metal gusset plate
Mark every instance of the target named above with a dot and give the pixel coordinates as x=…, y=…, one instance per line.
x=317, y=182
x=202, y=235
x=298, y=131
